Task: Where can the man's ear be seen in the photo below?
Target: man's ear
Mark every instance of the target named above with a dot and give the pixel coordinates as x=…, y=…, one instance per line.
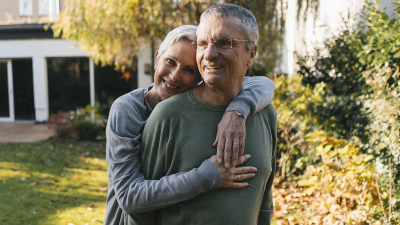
x=155, y=60
x=252, y=55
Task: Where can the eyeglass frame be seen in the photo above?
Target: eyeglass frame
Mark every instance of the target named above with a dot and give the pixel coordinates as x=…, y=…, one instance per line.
x=194, y=43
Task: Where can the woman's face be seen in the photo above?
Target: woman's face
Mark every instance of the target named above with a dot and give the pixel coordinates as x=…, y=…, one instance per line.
x=176, y=70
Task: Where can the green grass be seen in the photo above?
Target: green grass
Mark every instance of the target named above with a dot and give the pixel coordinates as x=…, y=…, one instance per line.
x=53, y=183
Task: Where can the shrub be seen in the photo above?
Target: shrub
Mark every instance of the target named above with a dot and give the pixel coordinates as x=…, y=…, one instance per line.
x=349, y=183
x=63, y=125
x=361, y=73
x=294, y=103
x=87, y=130
x=87, y=127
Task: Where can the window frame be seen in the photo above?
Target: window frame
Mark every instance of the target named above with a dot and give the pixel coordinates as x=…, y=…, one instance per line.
x=21, y=8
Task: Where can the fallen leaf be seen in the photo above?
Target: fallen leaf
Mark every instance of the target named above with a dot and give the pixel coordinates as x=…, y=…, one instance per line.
x=103, y=189
x=33, y=184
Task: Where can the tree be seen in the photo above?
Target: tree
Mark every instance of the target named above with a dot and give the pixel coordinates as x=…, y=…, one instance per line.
x=112, y=31
x=271, y=25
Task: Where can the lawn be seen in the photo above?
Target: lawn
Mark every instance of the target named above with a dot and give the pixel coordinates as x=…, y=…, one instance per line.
x=53, y=183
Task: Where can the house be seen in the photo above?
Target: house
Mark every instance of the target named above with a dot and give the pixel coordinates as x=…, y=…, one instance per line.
x=41, y=75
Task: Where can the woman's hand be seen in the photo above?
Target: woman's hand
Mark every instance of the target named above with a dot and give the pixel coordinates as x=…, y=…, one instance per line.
x=231, y=131
x=231, y=174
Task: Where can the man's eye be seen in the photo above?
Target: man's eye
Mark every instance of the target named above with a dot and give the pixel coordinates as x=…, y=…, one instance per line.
x=190, y=70
x=224, y=43
x=202, y=44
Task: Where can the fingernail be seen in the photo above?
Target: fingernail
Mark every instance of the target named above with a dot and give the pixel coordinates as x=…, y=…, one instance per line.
x=219, y=161
x=226, y=165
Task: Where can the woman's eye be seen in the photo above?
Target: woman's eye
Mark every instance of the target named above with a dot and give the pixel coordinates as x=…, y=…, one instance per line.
x=170, y=61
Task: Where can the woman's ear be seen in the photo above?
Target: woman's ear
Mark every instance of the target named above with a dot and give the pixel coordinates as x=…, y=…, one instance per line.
x=155, y=60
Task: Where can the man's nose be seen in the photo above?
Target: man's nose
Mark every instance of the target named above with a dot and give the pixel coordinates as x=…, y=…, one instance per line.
x=210, y=52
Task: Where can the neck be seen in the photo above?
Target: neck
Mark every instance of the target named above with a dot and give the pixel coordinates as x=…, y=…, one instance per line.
x=216, y=95
x=152, y=98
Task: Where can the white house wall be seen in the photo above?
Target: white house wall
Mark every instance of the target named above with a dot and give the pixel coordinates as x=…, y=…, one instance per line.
x=309, y=32
x=144, y=57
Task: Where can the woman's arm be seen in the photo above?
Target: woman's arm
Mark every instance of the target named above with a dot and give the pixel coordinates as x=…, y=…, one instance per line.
x=257, y=93
x=133, y=193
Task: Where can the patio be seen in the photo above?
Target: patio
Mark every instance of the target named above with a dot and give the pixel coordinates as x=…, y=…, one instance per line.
x=24, y=132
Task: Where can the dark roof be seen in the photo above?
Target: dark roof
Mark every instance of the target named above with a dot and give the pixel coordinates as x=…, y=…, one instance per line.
x=25, y=31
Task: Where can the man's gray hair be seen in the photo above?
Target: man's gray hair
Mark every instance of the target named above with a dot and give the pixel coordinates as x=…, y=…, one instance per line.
x=185, y=32
x=249, y=22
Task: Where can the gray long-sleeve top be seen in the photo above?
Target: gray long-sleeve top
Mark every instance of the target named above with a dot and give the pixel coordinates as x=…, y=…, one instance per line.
x=128, y=191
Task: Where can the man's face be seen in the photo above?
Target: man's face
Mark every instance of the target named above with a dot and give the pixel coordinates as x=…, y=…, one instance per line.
x=223, y=66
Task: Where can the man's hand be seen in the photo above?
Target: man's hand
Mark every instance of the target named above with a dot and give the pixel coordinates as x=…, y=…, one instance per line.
x=229, y=175
x=231, y=131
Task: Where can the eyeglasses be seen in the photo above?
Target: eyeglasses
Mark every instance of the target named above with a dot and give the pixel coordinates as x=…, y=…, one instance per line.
x=221, y=44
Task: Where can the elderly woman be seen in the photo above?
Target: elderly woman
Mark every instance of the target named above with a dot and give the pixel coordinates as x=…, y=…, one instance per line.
x=175, y=72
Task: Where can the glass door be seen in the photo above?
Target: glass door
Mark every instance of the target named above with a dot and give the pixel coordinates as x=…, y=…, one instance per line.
x=6, y=92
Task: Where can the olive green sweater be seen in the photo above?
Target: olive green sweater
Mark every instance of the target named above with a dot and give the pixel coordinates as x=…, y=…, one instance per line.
x=178, y=137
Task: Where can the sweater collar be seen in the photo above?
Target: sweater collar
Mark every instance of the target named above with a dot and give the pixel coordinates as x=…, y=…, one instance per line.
x=192, y=99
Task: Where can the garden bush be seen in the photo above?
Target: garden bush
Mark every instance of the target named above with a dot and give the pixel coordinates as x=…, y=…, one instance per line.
x=362, y=95
x=349, y=184
x=361, y=106
x=87, y=127
x=87, y=130
x=64, y=126
x=77, y=124
x=294, y=102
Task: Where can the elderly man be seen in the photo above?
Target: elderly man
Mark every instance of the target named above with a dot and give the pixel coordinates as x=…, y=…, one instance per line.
x=179, y=134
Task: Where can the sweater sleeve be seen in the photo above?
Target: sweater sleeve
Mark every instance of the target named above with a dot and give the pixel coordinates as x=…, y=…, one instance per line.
x=267, y=205
x=133, y=193
x=257, y=92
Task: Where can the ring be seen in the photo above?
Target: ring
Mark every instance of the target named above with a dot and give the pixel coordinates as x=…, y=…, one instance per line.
x=239, y=177
x=235, y=143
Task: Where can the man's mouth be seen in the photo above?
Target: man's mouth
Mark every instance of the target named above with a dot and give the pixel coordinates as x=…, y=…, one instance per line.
x=213, y=67
x=170, y=85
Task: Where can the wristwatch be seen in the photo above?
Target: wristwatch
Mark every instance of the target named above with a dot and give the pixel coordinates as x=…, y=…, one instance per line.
x=238, y=113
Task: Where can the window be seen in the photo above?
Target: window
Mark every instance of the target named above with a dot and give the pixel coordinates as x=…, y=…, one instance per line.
x=25, y=7
x=44, y=7
x=68, y=83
